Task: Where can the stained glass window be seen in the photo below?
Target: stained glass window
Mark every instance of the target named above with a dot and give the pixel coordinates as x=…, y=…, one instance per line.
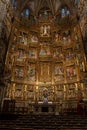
x=13, y=2
x=25, y=13
x=65, y=12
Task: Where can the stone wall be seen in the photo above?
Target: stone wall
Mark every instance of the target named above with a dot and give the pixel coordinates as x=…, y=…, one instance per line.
x=4, y=35
x=82, y=11
x=3, y=10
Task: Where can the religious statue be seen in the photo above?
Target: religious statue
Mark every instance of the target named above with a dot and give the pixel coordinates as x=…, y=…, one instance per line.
x=58, y=70
x=45, y=96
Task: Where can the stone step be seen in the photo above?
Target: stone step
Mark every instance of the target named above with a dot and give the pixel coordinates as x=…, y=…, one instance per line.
x=43, y=122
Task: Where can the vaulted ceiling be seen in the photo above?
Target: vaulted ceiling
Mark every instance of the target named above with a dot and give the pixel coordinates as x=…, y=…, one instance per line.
x=36, y=5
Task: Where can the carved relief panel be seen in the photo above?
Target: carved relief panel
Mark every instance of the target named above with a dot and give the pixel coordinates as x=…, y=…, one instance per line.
x=30, y=92
x=18, y=91
x=22, y=38
x=58, y=73
x=71, y=91
x=44, y=50
x=32, y=38
x=69, y=55
x=31, y=72
x=70, y=72
x=32, y=53
x=19, y=73
x=57, y=53
x=59, y=92
x=20, y=55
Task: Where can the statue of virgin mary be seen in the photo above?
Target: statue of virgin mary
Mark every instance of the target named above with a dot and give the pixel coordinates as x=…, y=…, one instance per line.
x=45, y=97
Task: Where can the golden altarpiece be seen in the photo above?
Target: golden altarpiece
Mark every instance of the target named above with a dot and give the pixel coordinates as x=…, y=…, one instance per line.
x=46, y=62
